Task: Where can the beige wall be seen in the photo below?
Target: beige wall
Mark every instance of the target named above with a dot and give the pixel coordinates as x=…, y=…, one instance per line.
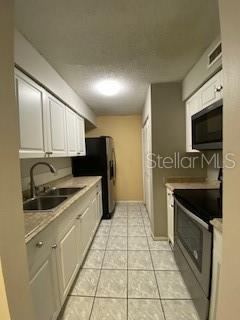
x=168, y=137
x=229, y=301
x=4, y=311
x=126, y=133
x=12, y=245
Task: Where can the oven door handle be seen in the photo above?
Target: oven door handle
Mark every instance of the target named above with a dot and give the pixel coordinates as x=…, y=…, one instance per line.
x=192, y=216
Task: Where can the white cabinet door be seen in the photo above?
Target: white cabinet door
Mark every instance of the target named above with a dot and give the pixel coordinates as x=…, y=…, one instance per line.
x=170, y=213
x=85, y=230
x=81, y=147
x=100, y=207
x=212, y=90
x=95, y=215
x=42, y=263
x=68, y=259
x=32, y=117
x=193, y=105
x=71, y=119
x=42, y=286
x=57, y=139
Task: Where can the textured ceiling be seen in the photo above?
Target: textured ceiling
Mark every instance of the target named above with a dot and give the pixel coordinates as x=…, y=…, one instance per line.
x=136, y=41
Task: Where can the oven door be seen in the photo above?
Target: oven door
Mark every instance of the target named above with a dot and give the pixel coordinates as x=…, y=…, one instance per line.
x=195, y=241
x=207, y=127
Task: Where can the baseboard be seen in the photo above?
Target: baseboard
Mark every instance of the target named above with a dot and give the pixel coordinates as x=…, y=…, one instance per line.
x=159, y=238
x=130, y=201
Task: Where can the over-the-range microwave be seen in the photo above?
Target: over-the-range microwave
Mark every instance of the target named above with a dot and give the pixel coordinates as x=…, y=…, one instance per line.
x=207, y=125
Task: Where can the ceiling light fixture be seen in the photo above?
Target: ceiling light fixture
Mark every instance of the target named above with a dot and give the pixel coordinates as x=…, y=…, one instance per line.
x=109, y=87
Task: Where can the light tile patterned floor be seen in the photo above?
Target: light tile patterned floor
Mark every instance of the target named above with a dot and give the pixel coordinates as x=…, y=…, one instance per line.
x=128, y=275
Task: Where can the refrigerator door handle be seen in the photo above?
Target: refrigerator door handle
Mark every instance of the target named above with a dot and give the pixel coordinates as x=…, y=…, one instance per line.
x=114, y=167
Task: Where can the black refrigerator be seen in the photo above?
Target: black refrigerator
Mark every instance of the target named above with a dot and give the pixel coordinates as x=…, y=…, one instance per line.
x=99, y=161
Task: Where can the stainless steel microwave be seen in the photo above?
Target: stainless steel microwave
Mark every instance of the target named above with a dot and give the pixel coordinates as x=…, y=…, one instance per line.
x=207, y=127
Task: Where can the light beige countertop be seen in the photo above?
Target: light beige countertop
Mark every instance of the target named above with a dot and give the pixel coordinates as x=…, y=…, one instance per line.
x=218, y=224
x=36, y=221
x=193, y=185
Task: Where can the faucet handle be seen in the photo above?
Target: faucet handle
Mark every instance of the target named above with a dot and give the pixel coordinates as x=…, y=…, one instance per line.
x=46, y=187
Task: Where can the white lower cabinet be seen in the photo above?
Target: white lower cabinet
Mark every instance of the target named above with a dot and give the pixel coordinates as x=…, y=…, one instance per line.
x=85, y=230
x=43, y=275
x=68, y=258
x=170, y=215
x=99, y=201
x=56, y=253
x=216, y=270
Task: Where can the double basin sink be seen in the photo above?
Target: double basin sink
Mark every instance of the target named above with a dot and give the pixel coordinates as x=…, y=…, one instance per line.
x=50, y=199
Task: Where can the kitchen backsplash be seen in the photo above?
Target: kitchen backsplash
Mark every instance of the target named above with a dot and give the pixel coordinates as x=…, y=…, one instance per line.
x=42, y=175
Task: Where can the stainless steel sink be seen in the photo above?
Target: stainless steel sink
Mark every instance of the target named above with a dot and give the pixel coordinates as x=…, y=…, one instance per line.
x=42, y=203
x=62, y=191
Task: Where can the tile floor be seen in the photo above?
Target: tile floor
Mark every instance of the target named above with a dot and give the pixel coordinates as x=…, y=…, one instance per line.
x=128, y=275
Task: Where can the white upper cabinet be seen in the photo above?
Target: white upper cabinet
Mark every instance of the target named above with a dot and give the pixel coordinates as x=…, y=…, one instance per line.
x=47, y=126
x=71, y=119
x=212, y=90
x=81, y=147
x=32, y=117
x=57, y=138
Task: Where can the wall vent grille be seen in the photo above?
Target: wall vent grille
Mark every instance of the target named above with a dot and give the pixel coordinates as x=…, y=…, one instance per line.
x=215, y=54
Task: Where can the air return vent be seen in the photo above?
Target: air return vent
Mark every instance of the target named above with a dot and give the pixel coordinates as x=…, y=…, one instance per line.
x=215, y=54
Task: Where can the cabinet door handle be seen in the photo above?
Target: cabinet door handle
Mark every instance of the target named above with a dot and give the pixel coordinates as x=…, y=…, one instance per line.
x=78, y=217
x=39, y=244
x=54, y=246
x=219, y=88
x=48, y=153
x=172, y=205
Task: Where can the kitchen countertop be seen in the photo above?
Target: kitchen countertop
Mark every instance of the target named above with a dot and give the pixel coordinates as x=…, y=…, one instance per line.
x=193, y=185
x=218, y=224
x=36, y=221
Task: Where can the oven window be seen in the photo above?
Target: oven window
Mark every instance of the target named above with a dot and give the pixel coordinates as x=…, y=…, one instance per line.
x=191, y=237
x=208, y=127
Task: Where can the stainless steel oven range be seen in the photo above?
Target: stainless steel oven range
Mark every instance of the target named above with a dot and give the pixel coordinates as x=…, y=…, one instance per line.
x=193, y=210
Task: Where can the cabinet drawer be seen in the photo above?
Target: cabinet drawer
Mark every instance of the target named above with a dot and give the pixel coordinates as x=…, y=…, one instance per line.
x=75, y=210
x=39, y=247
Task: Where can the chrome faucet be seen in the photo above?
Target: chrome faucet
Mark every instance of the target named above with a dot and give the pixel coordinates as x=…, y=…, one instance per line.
x=33, y=191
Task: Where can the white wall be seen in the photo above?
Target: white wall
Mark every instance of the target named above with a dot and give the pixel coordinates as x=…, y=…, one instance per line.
x=31, y=61
x=200, y=73
x=42, y=174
